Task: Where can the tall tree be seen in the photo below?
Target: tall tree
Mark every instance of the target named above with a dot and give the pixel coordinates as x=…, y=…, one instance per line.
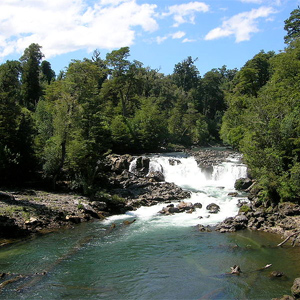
x=186, y=74
x=292, y=26
x=16, y=127
x=31, y=90
x=47, y=74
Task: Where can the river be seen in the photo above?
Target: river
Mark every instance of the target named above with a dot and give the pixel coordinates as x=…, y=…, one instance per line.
x=158, y=256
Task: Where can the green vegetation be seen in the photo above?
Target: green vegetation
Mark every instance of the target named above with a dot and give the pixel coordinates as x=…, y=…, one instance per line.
x=263, y=121
x=61, y=128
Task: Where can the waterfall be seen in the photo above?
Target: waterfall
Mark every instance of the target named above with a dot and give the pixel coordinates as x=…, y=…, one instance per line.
x=186, y=173
x=207, y=185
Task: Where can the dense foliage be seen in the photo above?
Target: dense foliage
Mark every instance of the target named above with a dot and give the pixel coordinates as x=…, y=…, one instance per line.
x=263, y=121
x=60, y=128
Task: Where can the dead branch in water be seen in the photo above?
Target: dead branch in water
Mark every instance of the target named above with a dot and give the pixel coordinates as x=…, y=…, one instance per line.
x=287, y=239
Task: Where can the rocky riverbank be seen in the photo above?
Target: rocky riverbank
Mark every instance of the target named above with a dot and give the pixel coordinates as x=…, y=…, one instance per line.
x=27, y=212
x=282, y=218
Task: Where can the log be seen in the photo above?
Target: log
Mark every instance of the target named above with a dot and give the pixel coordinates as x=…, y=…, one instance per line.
x=12, y=280
x=293, y=234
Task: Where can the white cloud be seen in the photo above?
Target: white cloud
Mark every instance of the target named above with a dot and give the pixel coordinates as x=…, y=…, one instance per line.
x=69, y=25
x=176, y=35
x=186, y=40
x=185, y=13
x=241, y=25
x=252, y=1
x=266, y=2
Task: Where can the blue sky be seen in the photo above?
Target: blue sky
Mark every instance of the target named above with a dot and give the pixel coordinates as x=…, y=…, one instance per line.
x=160, y=33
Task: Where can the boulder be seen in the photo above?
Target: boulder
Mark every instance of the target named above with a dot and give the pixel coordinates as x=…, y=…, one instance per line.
x=242, y=184
x=289, y=209
x=185, y=206
x=173, y=161
x=233, y=194
x=275, y=274
x=241, y=219
x=141, y=165
x=119, y=163
x=295, y=289
x=198, y=205
x=213, y=208
x=156, y=176
x=203, y=228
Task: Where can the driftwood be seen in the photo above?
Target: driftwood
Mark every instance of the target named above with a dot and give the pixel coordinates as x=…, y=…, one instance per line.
x=265, y=267
x=287, y=239
x=12, y=280
x=235, y=270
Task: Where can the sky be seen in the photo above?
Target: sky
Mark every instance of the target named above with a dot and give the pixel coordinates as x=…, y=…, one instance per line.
x=160, y=33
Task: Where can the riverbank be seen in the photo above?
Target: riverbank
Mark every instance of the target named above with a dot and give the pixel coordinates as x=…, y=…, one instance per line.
x=27, y=212
x=282, y=218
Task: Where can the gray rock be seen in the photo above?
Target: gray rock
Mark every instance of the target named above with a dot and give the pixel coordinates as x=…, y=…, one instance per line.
x=295, y=289
x=157, y=176
x=213, y=208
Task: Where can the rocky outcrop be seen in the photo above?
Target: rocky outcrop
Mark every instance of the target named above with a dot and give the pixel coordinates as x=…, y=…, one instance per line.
x=209, y=157
x=139, y=187
x=242, y=184
x=181, y=207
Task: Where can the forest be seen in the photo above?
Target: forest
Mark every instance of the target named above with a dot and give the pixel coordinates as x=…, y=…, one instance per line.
x=60, y=127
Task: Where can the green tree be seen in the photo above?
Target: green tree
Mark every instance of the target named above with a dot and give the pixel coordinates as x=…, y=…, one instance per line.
x=186, y=74
x=292, y=26
x=47, y=74
x=16, y=127
x=30, y=78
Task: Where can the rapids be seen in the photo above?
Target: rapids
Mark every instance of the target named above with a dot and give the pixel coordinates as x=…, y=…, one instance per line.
x=158, y=257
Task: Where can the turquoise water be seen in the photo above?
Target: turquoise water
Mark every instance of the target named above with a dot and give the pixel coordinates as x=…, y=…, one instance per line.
x=156, y=257
x=140, y=262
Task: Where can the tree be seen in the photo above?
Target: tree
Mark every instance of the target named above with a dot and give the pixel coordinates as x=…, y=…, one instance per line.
x=292, y=26
x=30, y=78
x=186, y=74
x=16, y=127
x=47, y=74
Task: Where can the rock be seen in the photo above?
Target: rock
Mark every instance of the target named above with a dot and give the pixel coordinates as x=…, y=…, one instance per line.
x=213, y=208
x=233, y=194
x=173, y=161
x=289, y=209
x=241, y=218
x=127, y=222
x=6, y=196
x=141, y=166
x=119, y=163
x=157, y=176
x=10, y=229
x=242, y=184
x=73, y=219
x=99, y=205
x=203, y=228
x=276, y=274
x=295, y=289
x=173, y=210
x=284, y=297
x=198, y=205
x=242, y=202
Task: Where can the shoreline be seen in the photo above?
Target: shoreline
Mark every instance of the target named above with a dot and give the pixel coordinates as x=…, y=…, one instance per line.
x=24, y=213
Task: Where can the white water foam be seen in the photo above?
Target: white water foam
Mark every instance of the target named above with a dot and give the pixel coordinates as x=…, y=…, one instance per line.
x=206, y=185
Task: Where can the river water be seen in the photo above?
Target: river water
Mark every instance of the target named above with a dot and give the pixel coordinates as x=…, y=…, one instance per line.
x=158, y=256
